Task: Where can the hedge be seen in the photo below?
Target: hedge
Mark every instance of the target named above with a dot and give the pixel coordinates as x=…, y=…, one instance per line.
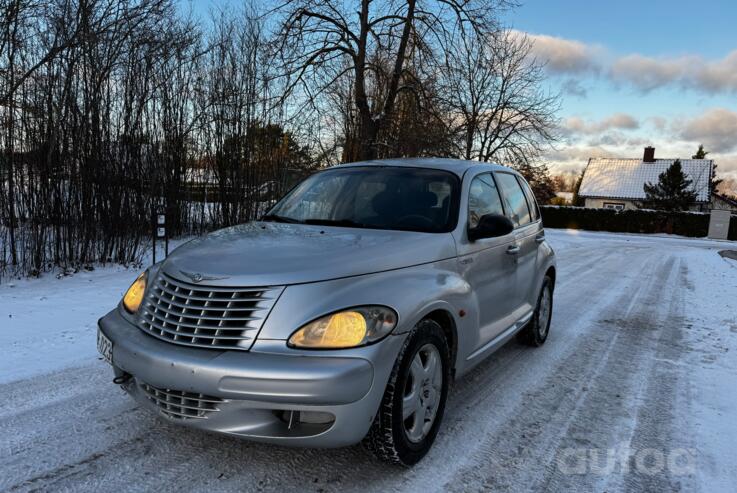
x=695, y=224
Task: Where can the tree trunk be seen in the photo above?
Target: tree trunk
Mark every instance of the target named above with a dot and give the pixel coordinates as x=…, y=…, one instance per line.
x=368, y=137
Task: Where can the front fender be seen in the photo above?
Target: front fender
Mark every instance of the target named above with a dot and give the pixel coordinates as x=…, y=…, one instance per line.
x=412, y=292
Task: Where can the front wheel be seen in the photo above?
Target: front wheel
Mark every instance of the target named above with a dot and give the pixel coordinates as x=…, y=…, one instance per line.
x=414, y=400
x=536, y=331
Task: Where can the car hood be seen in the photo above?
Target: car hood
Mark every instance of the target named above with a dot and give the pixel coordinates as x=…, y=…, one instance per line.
x=268, y=254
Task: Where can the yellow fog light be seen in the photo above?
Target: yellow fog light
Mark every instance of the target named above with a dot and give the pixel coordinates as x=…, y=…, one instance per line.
x=134, y=296
x=346, y=329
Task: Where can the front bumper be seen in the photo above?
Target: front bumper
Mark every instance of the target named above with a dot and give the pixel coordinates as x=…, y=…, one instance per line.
x=270, y=393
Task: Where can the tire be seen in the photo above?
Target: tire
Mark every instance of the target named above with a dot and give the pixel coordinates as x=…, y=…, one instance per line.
x=402, y=441
x=535, y=333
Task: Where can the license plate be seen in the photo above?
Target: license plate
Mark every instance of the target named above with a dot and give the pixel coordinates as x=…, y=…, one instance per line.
x=105, y=346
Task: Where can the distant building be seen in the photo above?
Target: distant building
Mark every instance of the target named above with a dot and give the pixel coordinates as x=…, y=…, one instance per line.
x=566, y=196
x=611, y=183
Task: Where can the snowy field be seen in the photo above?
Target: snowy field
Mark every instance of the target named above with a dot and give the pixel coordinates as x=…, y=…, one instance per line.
x=636, y=389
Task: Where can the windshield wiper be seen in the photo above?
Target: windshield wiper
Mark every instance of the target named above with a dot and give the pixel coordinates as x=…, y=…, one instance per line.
x=347, y=223
x=276, y=218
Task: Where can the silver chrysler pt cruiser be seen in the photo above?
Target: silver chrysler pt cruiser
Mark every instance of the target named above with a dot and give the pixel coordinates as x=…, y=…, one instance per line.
x=343, y=314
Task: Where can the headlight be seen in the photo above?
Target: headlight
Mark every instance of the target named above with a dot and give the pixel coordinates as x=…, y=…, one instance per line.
x=346, y=329
x=134, y=296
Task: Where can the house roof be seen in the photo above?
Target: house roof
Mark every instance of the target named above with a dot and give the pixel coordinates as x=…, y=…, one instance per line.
x=625, y=178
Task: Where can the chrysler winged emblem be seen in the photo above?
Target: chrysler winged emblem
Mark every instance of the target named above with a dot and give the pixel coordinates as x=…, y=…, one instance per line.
x=197, y=277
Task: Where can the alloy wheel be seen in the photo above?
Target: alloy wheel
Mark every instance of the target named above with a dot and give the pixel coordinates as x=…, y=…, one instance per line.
x=422, y=393
x=543, y=317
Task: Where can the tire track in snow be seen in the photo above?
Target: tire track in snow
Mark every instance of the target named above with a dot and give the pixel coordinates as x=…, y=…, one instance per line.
x=602, y=379
x=664, y=389
x=614, y=400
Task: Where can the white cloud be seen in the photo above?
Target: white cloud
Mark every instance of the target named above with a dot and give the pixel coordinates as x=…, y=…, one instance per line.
x=563, y=56
x=688, y=72
x=716, y=76
x=658, y=122
x=716, y=129
x=727, y=164
x=727, y=170
x=646, y=73
x=570, y=57
x=617, y=140
x=577, y=125
x=573, y=158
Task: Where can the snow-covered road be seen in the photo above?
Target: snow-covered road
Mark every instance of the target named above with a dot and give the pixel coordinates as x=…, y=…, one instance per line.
x=636, y=389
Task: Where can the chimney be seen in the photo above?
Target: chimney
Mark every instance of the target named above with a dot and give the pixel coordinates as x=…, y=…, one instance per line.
x=649, y=156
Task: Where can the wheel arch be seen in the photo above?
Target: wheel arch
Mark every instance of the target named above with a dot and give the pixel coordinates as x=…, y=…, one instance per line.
x=444, y=318
x=551, y=274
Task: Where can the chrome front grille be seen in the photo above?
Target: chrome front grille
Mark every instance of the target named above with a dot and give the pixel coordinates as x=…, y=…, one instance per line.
x=205, y=316
x=181, y=405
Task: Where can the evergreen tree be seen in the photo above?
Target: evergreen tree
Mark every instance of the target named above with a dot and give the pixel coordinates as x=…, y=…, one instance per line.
x=672, y=192
x=701, y=154
x=577, y=200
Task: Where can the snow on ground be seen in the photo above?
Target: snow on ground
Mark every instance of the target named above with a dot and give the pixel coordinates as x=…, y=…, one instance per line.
x=712, y=364
x=634, y=390
x=48, y=324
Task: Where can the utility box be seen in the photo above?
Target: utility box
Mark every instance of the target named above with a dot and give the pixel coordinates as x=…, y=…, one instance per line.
x=719, y=224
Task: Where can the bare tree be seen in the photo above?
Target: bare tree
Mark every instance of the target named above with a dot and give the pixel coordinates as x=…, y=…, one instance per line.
x=322, y=42
x=109, y=108
x=496, y=104
x=67, y=24
x=112, y=107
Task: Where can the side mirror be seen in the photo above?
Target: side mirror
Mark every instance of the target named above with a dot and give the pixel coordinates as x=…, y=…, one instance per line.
x=491, y=226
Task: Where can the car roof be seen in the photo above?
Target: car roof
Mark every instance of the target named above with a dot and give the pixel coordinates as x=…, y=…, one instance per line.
x=457, y=166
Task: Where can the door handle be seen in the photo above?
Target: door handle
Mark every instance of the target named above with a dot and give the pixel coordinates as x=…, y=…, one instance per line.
x=540, y=238
x=513, y=249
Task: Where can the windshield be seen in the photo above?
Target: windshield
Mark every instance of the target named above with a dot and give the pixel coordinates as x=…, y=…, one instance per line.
x=412, y=199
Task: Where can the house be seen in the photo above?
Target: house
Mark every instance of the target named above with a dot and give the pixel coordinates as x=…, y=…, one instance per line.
x=612, y=183
x=567, y=197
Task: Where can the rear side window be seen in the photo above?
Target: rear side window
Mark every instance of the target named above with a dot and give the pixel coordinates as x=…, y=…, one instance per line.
x=514, y=199
x=530, y=198
x=483, y=198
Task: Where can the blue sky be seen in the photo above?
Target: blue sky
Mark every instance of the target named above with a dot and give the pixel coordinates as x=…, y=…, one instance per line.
x=649, y=27
x=638, y=72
